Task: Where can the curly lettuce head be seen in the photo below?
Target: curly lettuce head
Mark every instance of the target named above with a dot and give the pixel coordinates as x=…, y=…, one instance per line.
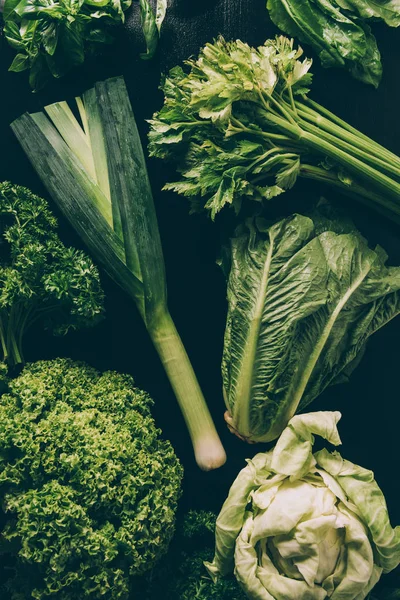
x=304, y=526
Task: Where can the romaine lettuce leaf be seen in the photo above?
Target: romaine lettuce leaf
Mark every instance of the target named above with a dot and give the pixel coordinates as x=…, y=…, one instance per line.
x=301, y=306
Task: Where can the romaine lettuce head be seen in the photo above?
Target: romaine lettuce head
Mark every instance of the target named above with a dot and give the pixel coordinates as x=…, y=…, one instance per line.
x=304, y=526
x=304, y=295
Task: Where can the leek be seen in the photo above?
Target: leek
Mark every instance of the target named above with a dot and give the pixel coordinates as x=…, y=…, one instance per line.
x=97, y=175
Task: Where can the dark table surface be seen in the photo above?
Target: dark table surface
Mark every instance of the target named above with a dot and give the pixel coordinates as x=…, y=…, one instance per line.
x=370, y=403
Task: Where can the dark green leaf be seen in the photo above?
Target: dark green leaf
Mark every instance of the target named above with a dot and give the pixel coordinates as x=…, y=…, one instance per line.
x=20, y=63
x=99, y=35
x=8, y=9
x=34, y=9
x=305, y=22
x=72, y=42
x=58, y=30
x=338, y=37
x=386, y=10
x=13, y=35
x=39, y=73
x=143, y=249
x=369, y=68
x=50, y=37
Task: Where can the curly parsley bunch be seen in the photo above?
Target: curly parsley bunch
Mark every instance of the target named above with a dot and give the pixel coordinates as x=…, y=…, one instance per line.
x=40, y=278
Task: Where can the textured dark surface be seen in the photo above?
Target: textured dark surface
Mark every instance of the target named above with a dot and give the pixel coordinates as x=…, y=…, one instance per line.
x=370, y=402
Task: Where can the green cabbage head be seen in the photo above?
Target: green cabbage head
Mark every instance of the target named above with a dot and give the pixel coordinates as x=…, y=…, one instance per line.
x=304, y=526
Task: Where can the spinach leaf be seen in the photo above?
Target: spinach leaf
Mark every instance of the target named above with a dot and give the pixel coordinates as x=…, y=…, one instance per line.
x=318, y=27
x=337, y=31
x=387, y=10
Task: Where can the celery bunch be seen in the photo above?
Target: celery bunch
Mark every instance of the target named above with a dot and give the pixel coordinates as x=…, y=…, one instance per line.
x=241, y=127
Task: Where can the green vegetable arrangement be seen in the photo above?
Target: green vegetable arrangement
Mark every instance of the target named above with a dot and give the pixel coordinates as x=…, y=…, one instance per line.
x=97, y=175
x=241, y=128
x=338, y=31
x=40, y=278
x=304, y=295
x=53, y=36
x=88, y=487
x=304, y=526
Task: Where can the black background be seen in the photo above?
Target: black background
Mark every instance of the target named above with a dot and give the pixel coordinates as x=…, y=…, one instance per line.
x=370, y=402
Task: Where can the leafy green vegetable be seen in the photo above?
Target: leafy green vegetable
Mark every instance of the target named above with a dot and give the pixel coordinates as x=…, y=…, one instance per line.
x=386, y=10
x=40, y=278
x=240, y=127
x=53, y=36
x=304, y=295
x=181, y=575
x=151, y=24
x=335, y=31
x=88, y=487
x=97, y=175
x=297, y=525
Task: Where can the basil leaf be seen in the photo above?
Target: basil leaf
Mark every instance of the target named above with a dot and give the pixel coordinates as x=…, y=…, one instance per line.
x=99, y=36
x=72, y=43
x=8, y=9
x=39, y=73
x=98, y=3
x=50, y=37
x=33, y=9
x=13, y=35
x=20, y=63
